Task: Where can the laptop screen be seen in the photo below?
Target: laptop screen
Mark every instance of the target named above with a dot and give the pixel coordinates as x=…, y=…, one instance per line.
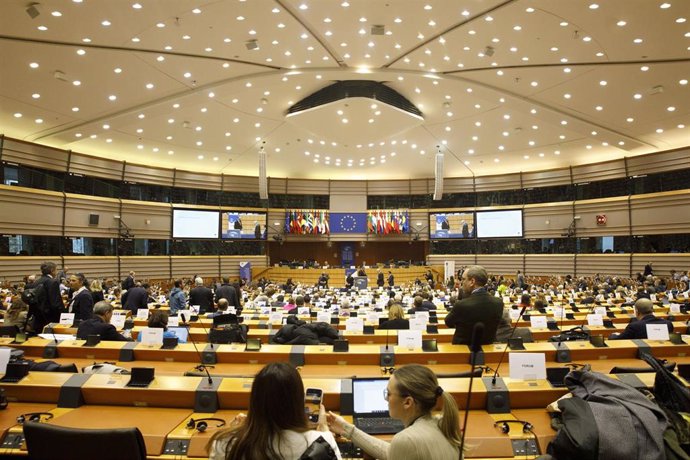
x=367, y=395
x=180, y=332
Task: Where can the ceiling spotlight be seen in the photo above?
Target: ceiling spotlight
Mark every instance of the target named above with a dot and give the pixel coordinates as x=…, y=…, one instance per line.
x=252, y=45
x=32, y=10
x=489, y=51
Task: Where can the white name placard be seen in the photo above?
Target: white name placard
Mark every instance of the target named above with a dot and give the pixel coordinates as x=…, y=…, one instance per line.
x=674, y=308
x=142, y=313
x=323, y=317
x=514, y=314
x=657, y=332
x=595, y=319
x=67, y=319
x=373, y=318
x=538, y=322
x=118, y=322
x=354, y=324
x=410, y=339
x=423, y=315
x=152, y=336
x=4, y=359
x=275, y=317
x=527, y=366
x=173, y=321
x=417, y=324
x=302, y=310
x=600, y=311
x=652, y=297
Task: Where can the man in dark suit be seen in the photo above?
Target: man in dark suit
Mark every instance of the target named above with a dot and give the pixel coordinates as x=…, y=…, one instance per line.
x=137, y=297
x=129, y=283
x=644, y=310
x=228, y=292
x=100, y=324
x=81, y=303
x=49, y=305
x=202, y=296
x=477, y=307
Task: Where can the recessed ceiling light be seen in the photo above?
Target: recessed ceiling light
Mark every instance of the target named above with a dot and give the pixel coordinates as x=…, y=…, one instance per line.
x=621, y=23
x=671, y=109
x=680, y=20
x=629, y=119
x=149, y=85
x=112, y=97
x=106, y=23
x=117, y=70
x=603, y=83
x=81, y=52
x=637, y=96
x=593, y=6
x=644, y=68
x=75, y=109
x=160, y=25
x=33, y=65
x=57, y=14
x=17, y=115
x=196, y=11
x=683, y=81
x=42, y=28
x=76, y=83
x=303, y=6
x=665, y=5
x=35, y=95
x=136, y=6
x=637, y=41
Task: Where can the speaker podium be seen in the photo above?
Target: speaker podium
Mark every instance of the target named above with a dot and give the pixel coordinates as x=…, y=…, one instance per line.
x=361, y=282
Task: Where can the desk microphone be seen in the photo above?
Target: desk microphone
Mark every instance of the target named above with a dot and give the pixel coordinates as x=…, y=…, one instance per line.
x=191, y=339
x=387, y=330
x=204, y=328
x=476, y=345
x=505, y=350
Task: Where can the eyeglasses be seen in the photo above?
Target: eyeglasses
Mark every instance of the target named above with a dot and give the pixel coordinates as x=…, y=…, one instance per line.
x=386, y=394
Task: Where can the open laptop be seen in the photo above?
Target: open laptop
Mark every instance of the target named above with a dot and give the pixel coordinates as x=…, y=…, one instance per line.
x=141, y=377
x=182, y=333
x=370, y=409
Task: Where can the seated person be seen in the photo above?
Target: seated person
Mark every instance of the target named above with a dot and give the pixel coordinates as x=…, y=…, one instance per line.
x=267, y=433
x=100, y=324
x=159, y=319
x=344, y=308
x=644, y=309
x=222, y=309
x=525, y=301
x=418, y=305
x=16, y=313
x=396, y=318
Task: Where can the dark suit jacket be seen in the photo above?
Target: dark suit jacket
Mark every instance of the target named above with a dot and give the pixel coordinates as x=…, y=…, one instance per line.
x=202, y=296
x=229, y=293
x=137, y=297
x=128, y=283
x=82, y=306
x=398, y=323
x=96, y=325
x=51, y=303
x=480, y=307
x=638, y=329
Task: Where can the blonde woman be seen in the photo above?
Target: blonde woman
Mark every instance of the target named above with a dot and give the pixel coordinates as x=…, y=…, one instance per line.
x=96, y=289
x=412, y=393
x=396, y=318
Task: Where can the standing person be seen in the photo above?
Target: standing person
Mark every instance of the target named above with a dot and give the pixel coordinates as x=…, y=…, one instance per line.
x=379, y=278
x=136, y=298
x=129, y=282
x=177, y=301
x=478, y=306
x=228, y=292
x=202, y=296
x=391, y=279
x=49, y=304
x=412, y=393
x=82, y=302
x=276, y=425
x=648, y=270
x=521, y=280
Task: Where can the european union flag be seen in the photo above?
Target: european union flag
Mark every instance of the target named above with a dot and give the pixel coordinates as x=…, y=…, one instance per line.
x=348, y=222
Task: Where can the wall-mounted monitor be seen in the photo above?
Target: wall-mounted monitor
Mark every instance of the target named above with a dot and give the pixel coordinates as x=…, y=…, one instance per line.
x=499, y=224
x=451, y=225
x=242, y=225
x=188, y=223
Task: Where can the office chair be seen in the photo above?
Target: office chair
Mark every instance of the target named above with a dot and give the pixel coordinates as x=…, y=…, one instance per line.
x=51, y=442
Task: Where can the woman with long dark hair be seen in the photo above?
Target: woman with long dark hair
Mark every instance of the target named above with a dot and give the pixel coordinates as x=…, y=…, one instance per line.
x=276, y=426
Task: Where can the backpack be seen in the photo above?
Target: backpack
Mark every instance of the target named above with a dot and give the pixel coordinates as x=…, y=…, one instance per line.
x=230, y=333
x=34, y=295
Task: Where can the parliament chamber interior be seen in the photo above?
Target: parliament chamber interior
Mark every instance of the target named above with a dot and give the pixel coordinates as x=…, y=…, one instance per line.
x=196, y=196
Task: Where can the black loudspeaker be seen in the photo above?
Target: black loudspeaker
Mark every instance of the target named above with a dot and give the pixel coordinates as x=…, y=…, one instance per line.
x=93, y=219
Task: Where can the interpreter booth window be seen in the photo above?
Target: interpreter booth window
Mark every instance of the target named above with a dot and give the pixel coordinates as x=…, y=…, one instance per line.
x=145, y=192
x=603, y=245
x=242, y=199
x=143, y=247
x=551, y=194
x=28, y=245
x=660, y=182
x=195, y=247
x=196, y=196
x=500, y=246
x=453, y=246
x=388, y=201
x=499, y=197
x=34, y=178
x=672, y=243
x=85, y=246
x=420, y=201
x=455, y=200
x=549, y=245
x=93, y=186
x=602, y=189
x=299, y=201
x=242, y=248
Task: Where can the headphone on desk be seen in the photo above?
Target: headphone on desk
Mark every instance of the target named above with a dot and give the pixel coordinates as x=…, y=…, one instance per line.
x=504, y=425
x=201, y=424
x=34, y=417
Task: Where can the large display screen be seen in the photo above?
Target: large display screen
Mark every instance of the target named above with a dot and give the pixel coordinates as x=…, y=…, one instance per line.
x=243, y=225
x=451, y=225
x=499, y=224
x=195, y=224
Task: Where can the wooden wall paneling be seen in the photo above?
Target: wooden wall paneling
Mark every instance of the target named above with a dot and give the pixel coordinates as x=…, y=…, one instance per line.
x=230, y=265
x=547, y=220
x=604, y=264
x=148, y=175
x=658, y=162
x=547, y=178
x=241, y=184
x=307, y=187
x=13, y=269
x=421, y=187
x=501, y=264
x=277, y=185
x=661, y=263
x=498, y=182
x=389, y=187
x=617, y=215
x=146, y=267
x=549, y=264
x=599, y=171
x=197, y=180
x=78, y=208
x=189, y=266
x=458, y=185
x=27, y=211
x=460, y=259
x=92, y=267
x=348, y=187
x=147, y=219
x=659, y=213
x=88, y=165
x=30, y=154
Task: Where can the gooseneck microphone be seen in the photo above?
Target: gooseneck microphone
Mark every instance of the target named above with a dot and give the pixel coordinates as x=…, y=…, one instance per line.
x=191, y=339
x=505, y=350
x=475, y=347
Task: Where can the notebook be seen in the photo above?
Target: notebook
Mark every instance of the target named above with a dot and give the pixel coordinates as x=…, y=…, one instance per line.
x=15, y=372
x=141, y=377
x=370, y=409
x=556, y=376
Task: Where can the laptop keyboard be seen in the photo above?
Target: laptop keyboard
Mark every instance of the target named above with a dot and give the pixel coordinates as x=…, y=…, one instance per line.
x=378, y=425
x=138, y=384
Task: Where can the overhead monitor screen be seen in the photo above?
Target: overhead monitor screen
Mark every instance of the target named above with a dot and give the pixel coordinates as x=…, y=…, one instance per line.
x=243, y=225
x=195, y=224
x=499, y=224
x=451, y=225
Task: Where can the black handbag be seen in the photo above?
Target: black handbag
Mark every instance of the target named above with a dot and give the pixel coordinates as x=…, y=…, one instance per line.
x=319, y=450
x=576, y=333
